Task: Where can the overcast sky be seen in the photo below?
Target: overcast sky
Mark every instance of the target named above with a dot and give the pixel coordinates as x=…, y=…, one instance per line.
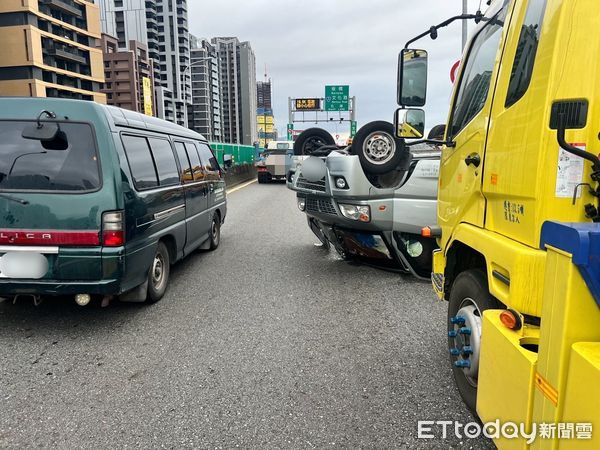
x=307, y=44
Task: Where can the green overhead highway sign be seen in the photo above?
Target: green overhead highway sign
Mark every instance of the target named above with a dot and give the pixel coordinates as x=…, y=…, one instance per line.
x=337, y=98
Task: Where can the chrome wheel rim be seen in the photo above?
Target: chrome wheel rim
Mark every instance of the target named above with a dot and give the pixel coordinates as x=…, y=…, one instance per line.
x=216, y=232
x=379, y=148
x=158, y=271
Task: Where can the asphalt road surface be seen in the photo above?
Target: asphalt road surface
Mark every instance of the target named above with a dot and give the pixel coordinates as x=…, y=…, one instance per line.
x=268, y=342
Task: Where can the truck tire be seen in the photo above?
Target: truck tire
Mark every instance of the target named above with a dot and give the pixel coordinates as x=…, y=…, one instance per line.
x=158, y=274
x=378, y=149
x=469, y=298
x=311, y=140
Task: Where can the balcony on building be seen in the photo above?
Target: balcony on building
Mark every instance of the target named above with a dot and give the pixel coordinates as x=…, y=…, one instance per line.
x=68, y=6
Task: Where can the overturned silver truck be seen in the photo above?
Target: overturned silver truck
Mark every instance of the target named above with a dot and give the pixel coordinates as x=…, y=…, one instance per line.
x=372, y=200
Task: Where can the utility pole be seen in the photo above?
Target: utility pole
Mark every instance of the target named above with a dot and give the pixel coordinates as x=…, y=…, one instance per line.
x=464, y=24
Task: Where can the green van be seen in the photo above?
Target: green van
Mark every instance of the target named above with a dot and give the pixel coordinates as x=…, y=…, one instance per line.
x=100, y=201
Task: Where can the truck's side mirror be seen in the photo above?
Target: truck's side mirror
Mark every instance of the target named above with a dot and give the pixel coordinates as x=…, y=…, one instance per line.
x=409, y=123
x=412, y=77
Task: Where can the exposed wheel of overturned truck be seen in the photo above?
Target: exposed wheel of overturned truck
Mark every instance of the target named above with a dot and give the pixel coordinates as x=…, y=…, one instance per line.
x=469, y=298
x=311, y=140
x=378, y=149
x=437, y=132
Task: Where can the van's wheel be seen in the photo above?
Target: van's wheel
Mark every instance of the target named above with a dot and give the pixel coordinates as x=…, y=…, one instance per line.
x=378, y=149
x=311, y=140
x=215, y=231
x=469, y=298
x=158, y=275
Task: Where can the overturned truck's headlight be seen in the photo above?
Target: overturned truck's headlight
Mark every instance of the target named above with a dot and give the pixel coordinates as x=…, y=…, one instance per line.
x=301, y=204
x=356, y=212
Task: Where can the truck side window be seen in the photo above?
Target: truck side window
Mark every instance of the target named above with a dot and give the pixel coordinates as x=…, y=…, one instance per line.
x=477, y=75
x=522, y=70
x=140, y=162
x=164, y=159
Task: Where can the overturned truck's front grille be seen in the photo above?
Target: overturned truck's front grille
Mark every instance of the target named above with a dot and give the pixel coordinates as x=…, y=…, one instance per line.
x=303, y=183
x=324, y=206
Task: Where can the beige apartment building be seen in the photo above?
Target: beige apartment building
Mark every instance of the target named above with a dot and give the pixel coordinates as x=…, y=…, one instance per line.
x=49, y=49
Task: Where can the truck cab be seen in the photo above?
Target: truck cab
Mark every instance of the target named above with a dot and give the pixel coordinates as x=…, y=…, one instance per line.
x=518, y=213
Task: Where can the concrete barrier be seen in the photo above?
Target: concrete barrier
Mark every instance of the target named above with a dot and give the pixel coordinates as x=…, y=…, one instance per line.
x=239, y=173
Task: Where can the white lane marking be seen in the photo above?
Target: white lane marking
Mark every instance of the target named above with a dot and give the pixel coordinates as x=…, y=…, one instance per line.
x=241, y=186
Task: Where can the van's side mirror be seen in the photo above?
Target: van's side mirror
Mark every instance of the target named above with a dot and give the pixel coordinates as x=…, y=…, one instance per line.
x=227, y=161
x=409, y=123
x=412, y=77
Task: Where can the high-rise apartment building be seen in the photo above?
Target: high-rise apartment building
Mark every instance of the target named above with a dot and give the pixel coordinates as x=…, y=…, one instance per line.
x=163, y=26
x=48, y=49
x=238, y=90
x=129, y=78
x=205, y=111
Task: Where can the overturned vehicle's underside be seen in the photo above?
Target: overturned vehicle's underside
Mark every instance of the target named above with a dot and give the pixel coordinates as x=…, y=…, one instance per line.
x=371, y=200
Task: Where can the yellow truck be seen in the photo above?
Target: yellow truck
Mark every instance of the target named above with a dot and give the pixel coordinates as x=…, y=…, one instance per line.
x=518, y=217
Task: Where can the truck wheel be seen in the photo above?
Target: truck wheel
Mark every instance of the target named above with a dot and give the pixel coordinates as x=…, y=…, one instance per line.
x=311, y=140
x=377, y=148
x=158, y=275
x=215, y=231
x=469, y=297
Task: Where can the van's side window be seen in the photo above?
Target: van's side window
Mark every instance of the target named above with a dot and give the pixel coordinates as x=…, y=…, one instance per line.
x=140, y=162
x=197, y=171
x=184, y=162
x=522, y=70
x=477, y=74
x=208, y=159
x=165, y=161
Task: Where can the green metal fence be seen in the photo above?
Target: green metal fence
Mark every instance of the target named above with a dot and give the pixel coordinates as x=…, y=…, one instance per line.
x=242, y=154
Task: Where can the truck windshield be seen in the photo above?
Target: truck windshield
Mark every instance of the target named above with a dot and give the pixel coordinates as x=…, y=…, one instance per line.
x=26, y=165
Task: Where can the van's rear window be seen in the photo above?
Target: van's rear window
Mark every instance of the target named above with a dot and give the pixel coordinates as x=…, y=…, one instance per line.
x=31, y=165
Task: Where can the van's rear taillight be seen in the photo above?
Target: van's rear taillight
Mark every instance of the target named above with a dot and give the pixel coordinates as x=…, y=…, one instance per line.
x=113, y=230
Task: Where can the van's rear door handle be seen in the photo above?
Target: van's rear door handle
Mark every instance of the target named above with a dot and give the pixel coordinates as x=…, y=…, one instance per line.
x=473, y=159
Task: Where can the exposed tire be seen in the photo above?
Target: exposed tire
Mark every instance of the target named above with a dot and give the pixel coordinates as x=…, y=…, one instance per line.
x=215, y=231
x=311, y=140
x=158, y=274
x=378, y=149
x=437, y=132
x=469, y=297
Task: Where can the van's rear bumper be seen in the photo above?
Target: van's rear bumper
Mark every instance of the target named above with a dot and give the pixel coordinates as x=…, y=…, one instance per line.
x=94, y=271
x=53, y=287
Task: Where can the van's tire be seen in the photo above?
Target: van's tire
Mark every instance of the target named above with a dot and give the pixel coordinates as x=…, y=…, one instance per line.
x=437, y=132
x=311, y=140
x=377, y=148
x=215, y=231
x=158, y=274
x=469, y=297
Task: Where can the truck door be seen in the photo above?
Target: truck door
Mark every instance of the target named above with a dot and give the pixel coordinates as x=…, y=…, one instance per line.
x=460, y=196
